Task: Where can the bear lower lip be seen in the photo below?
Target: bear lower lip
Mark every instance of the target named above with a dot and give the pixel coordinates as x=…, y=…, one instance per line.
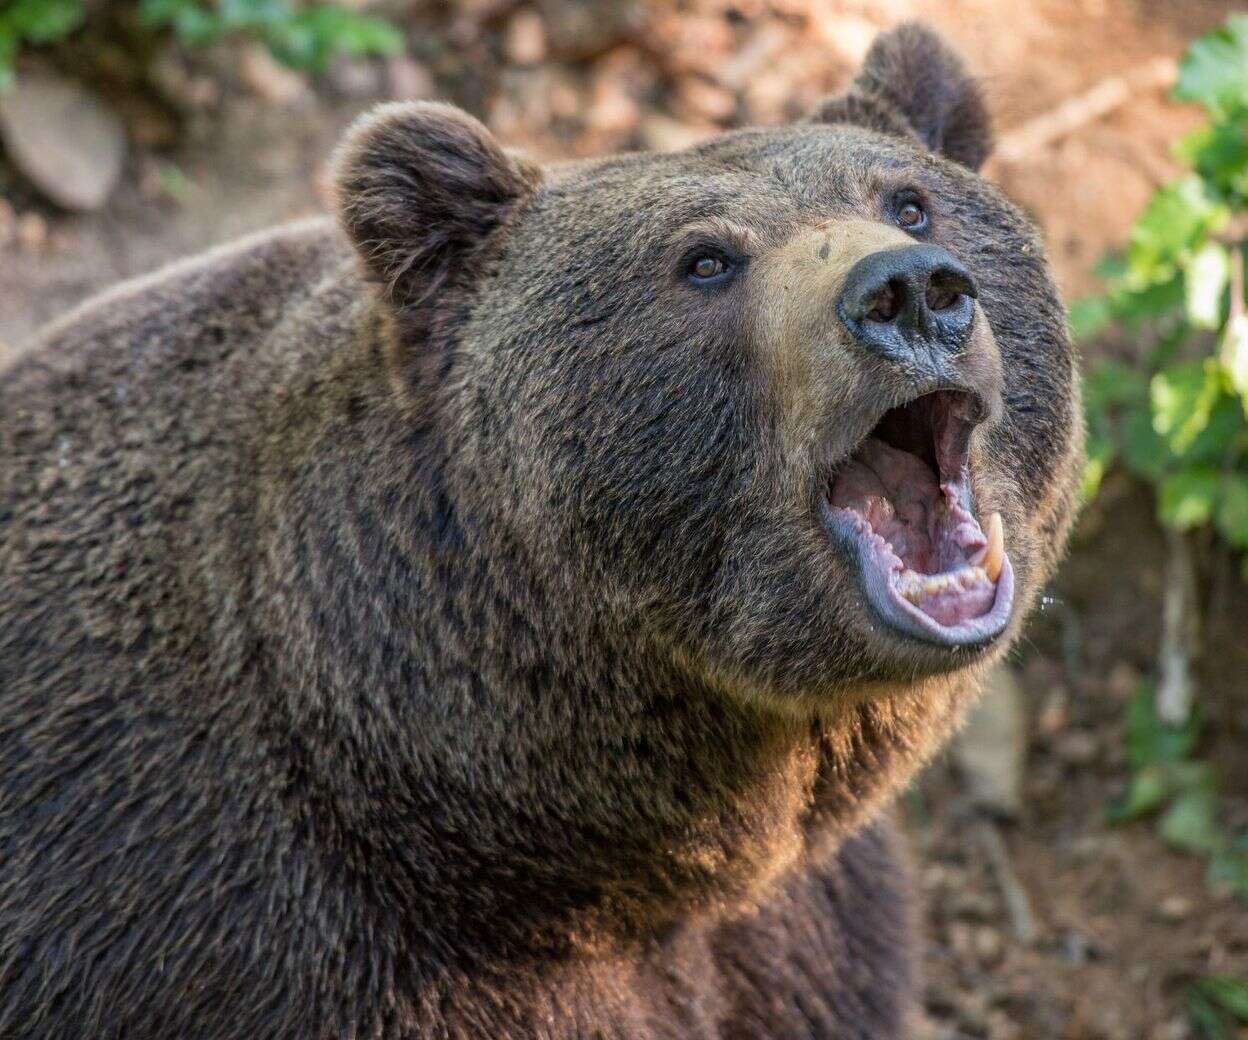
x=902, y=504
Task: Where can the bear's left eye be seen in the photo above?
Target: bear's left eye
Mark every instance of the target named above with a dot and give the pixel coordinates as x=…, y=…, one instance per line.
x=910, y=215
x=710, y=269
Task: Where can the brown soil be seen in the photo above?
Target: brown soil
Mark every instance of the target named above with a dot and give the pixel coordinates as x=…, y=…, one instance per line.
x=1121, y=921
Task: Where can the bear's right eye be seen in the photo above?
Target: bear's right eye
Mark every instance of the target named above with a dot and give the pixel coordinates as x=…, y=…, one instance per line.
x=710, y=269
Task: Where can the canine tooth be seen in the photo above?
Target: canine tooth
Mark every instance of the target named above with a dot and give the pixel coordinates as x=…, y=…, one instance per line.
x=994, y=552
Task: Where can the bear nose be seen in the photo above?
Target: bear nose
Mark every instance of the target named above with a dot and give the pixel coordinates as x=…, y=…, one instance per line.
x=900, y=302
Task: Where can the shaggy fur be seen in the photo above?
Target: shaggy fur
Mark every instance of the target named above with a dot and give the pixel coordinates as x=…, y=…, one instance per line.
x=418, y=628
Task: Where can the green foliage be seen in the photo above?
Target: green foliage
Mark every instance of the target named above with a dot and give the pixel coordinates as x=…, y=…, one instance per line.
x=1216, y=1004
x=303, y=36
x=1168, y=782
x=1178, y=418
x=25, y=22
x=1215, y=70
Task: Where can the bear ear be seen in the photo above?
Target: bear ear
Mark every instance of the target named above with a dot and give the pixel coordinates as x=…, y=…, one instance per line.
x=913, y=84
x=419, y=188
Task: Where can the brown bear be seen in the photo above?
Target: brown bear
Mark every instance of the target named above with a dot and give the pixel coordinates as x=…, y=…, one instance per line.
x=505, y=613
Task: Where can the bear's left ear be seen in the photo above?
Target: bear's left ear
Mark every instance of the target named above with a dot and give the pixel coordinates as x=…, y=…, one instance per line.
x=913, y=84
x=420, y=188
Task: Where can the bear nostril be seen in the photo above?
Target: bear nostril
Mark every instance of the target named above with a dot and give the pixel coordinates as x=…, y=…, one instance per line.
x=946, y=287
x=886, y=304
x=941, y=299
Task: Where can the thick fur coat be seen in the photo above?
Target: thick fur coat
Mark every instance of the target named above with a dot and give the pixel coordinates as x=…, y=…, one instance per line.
x=413, y=626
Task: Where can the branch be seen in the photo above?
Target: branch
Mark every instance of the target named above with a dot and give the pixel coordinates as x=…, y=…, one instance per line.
x=1076, y=112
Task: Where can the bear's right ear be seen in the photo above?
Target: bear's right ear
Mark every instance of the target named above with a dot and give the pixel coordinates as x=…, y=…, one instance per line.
x=913, y=85
x=420, y=187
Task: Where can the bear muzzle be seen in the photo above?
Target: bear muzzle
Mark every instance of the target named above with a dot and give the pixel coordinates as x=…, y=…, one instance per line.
x=913, y=305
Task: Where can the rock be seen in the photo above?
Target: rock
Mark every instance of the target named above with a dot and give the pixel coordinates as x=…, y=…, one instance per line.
x=580, y=29
x=8, y=223
x=1123, y=681
x=172, y=75
x=1174, y=908
x=1054, y=713
x=407, y=79
x=268, y=78
x=32, y=232
x=990, y=749
x=356, y=78
x=705, y=101
x=525, y=40
x=661, y=133
x=1078, y=747
x=758, y=52
x=988, y=944
x=63, y=138
x=847, y=36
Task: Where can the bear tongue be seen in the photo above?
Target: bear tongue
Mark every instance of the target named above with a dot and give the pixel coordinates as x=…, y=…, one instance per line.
x=897, y=493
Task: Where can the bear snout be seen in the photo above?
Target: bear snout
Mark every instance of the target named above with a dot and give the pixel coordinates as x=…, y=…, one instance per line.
x=912, y=304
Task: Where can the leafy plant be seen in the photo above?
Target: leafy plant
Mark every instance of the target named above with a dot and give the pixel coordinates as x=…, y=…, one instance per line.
x=303, y=36
x=25, y=22
x=1170, y=783
x=1216, y=1003
x=1180, y=421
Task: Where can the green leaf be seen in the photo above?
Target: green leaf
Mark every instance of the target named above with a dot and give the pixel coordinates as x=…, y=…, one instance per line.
x=1214, y=72
x=1232, y=515
x=1211, y=1022
x=1099, y=456
x=1205, y=281
x=1233, y=354
x=1088, y=317
x=239, y=15
x=1144, y=453
x=8, y=51
x=1174, y=222
x=310, y=38
x=1189, y=497
x=352, y=33
x=1224, y=438
x=1219, y=152
x=1228, y=869
x=1149, y=741
x=1183, y=398
x=156, y=14
x=1148, y=790
x=1134, y=304
x=1226, y=991
x=1112, y=382
x=1191, y=821
x=42, y=21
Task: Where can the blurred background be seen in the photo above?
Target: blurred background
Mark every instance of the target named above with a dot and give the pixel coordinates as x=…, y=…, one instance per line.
x=1083, y=848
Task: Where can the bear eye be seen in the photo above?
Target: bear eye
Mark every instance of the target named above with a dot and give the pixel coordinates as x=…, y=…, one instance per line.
x=911, y=216
x=710, y=269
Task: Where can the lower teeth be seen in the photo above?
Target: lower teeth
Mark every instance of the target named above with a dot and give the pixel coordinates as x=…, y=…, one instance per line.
x=914, y=586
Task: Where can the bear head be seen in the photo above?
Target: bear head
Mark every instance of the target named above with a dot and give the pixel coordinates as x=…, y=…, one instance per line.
x=793, y=409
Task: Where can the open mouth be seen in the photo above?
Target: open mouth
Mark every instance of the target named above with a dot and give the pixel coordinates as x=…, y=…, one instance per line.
x=902, y=501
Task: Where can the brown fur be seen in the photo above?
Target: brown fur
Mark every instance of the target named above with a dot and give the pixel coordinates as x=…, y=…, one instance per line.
x=423, y=632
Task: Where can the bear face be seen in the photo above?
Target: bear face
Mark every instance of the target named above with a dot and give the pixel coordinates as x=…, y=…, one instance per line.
x=822, y=435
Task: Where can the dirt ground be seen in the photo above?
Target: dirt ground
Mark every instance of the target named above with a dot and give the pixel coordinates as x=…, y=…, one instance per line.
x=1120, y=922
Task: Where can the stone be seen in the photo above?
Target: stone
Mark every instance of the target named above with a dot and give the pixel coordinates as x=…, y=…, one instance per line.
x=268, y=78
x=63, y=138
x=525, y=40
x=991, y=748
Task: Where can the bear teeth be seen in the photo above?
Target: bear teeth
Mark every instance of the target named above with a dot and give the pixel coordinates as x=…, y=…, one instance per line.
x=916, y=587
x=992, y=556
